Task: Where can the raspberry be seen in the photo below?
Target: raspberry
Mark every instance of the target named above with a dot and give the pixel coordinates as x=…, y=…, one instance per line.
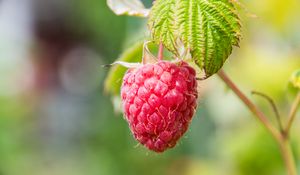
x=159, y=101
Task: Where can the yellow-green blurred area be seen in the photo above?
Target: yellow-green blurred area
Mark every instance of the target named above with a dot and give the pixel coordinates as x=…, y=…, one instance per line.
x=55, y=118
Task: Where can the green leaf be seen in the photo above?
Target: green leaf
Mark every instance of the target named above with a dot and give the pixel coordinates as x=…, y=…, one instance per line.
x=113, y=80
x=128, y=7
x=134, y=56
x=139, y=53
x=207, y=28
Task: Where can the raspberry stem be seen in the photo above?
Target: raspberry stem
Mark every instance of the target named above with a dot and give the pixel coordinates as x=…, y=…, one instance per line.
x=254, y=109
x=281, y=138
x=160, y=55
x=293, y=112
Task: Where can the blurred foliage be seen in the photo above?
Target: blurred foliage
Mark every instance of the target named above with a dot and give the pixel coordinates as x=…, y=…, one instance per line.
x=260, y=155
x=52, y=131
x=103, y=29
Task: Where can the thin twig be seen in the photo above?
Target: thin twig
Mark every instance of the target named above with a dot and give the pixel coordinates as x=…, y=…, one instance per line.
x=255, y=110
x=292, y=114
x=280, y=137
x=274, y=107
x=160, y=55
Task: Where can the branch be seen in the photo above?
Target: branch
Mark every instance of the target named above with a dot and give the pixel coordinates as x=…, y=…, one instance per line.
x=287, y=154
x=293, y=113
x=274, y=107
x=255, y=110
x=280, y=137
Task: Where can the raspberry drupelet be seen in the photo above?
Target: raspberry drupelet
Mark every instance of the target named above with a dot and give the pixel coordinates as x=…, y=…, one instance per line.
x=159, y=101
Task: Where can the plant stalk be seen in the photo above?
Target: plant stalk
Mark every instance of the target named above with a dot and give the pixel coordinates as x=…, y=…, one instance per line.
x=254, y=109
x=160, y=55
x=293, y=113
x=287, y=154
x=281, y=137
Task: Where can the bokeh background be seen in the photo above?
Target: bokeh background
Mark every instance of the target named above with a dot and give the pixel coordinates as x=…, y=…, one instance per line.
x=55, y=118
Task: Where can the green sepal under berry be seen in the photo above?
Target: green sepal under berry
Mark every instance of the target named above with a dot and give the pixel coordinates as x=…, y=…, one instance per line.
x=138, y=53
x=113, y=80
x=207, y=28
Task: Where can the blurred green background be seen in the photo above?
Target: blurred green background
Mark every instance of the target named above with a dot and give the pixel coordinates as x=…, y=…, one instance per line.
x=55, y=118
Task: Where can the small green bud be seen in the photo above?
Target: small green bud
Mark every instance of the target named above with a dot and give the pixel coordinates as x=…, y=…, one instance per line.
x=295, y=79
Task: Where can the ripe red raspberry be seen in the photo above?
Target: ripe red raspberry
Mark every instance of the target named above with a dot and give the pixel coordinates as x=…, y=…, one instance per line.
x=159, y=101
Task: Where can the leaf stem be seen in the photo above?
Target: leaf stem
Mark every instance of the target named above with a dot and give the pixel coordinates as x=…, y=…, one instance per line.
x=160, y=55
x=293, y=113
